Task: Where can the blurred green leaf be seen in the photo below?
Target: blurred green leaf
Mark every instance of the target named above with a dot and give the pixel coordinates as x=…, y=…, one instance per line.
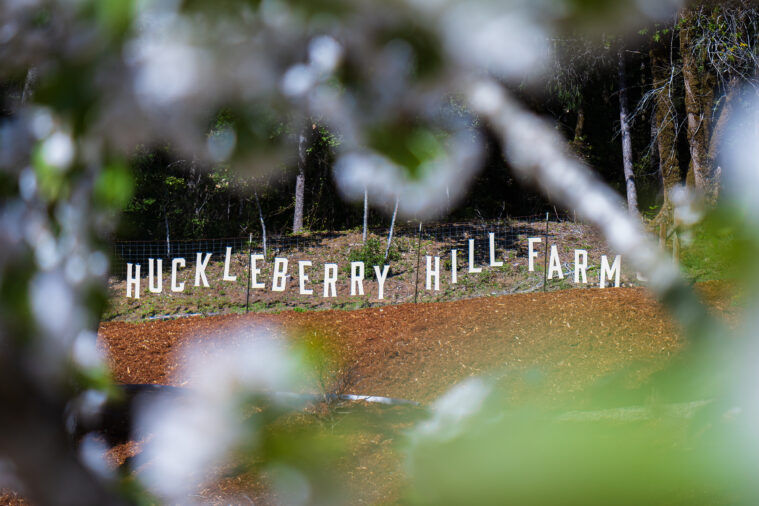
x=114, y=186
x=410, y=146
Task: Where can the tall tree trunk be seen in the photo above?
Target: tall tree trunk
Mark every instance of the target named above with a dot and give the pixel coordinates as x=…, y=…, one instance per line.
x=718, y=132
x=300, y=184
x=653, y=147
x=261, y=219
x=392, y=227
x=699, y=97
x=665, y=119
x=627, y=161
x=168, y=237
x=366, y=212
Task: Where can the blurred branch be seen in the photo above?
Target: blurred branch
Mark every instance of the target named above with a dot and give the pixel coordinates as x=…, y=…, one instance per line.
x=539, y=157
x=33, y=436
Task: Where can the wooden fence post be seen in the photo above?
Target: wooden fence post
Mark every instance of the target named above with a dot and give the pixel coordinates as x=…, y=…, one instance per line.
x=545, y=256
x=247, y=289
x=418, y=259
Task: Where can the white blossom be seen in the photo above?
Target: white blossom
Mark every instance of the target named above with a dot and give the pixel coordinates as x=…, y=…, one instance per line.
x=193, y=432
x=58, y=150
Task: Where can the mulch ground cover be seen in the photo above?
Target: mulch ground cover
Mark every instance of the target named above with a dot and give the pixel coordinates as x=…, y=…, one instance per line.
x=547, y=345
x=418, y=351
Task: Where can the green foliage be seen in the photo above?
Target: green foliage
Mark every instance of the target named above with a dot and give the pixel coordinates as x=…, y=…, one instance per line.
x=52, y=181
x=506, y=454
x=325, y=138
x=373, y=253
x=410, y=146
x=114, y=186
x=722, y=248
x=114, y=16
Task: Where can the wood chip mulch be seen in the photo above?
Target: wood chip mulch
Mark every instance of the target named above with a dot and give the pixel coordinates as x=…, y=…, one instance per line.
x=417, y=352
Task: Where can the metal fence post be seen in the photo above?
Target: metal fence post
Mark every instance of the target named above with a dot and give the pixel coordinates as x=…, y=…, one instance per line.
x=247, y=289
x=418, y=258
x=545, y=257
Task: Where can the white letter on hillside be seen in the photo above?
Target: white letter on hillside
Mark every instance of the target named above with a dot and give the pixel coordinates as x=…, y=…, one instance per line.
x=454, y=267
x=493, y=263
x=581, y=266
x=133, y=281
x=357, y=277
x=472, y=268
x=175, y=265
x=381, y=277
x=531, y=253
x=433, y=273
x=607, y=272
x=554, y=263
x=330, y=280
x=279, y=279
x=302, y=277
x=227, y=261
x=255, y=271
x=200, y=269
x=155, y=287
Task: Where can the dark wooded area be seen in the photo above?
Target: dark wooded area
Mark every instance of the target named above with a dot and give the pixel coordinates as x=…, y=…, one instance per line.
x=681, y=80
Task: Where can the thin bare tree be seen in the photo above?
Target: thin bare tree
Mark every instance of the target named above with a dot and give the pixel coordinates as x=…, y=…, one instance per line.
x=261, y=219
x=366, y=213
x=392, y=226
x=300, y=184
x=627, y=161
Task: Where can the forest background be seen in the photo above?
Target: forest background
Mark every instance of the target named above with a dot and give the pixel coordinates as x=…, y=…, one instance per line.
x=646, y=113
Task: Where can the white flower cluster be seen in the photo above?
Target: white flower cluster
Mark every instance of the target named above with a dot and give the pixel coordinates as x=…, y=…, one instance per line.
x=192, y=434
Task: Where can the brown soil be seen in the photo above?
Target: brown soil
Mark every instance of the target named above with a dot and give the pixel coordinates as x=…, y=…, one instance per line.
x=418, y=351
x=568, y=339
x=11, y=498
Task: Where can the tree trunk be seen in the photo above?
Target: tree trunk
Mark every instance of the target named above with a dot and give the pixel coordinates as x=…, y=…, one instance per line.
x=261, y=219
x=699, y=97
x=366, y=213
x=168, y=237
x=665, y=119
x=580, y=125
x=632, y=195
x=29, y=83
x=392, y=226
x=577, y=141
x=721, y=121
x=653, y=158
x=578, y=144
x=300, y=184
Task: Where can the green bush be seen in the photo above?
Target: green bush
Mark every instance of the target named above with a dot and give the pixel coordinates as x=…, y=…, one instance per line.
x=373, y=253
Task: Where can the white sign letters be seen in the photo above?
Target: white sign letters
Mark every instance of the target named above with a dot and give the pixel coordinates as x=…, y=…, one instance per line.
x=356, y=279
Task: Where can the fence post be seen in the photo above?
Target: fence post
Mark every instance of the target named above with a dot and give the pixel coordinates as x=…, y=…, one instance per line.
x=247, y=289
x=545, y=256
x=418, y=258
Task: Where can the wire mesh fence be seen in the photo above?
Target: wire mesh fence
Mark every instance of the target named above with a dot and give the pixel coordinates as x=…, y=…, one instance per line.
x=455, y=235
x=469, y=264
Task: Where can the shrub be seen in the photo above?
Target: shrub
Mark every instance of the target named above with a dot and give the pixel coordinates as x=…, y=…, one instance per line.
x=373, y=253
